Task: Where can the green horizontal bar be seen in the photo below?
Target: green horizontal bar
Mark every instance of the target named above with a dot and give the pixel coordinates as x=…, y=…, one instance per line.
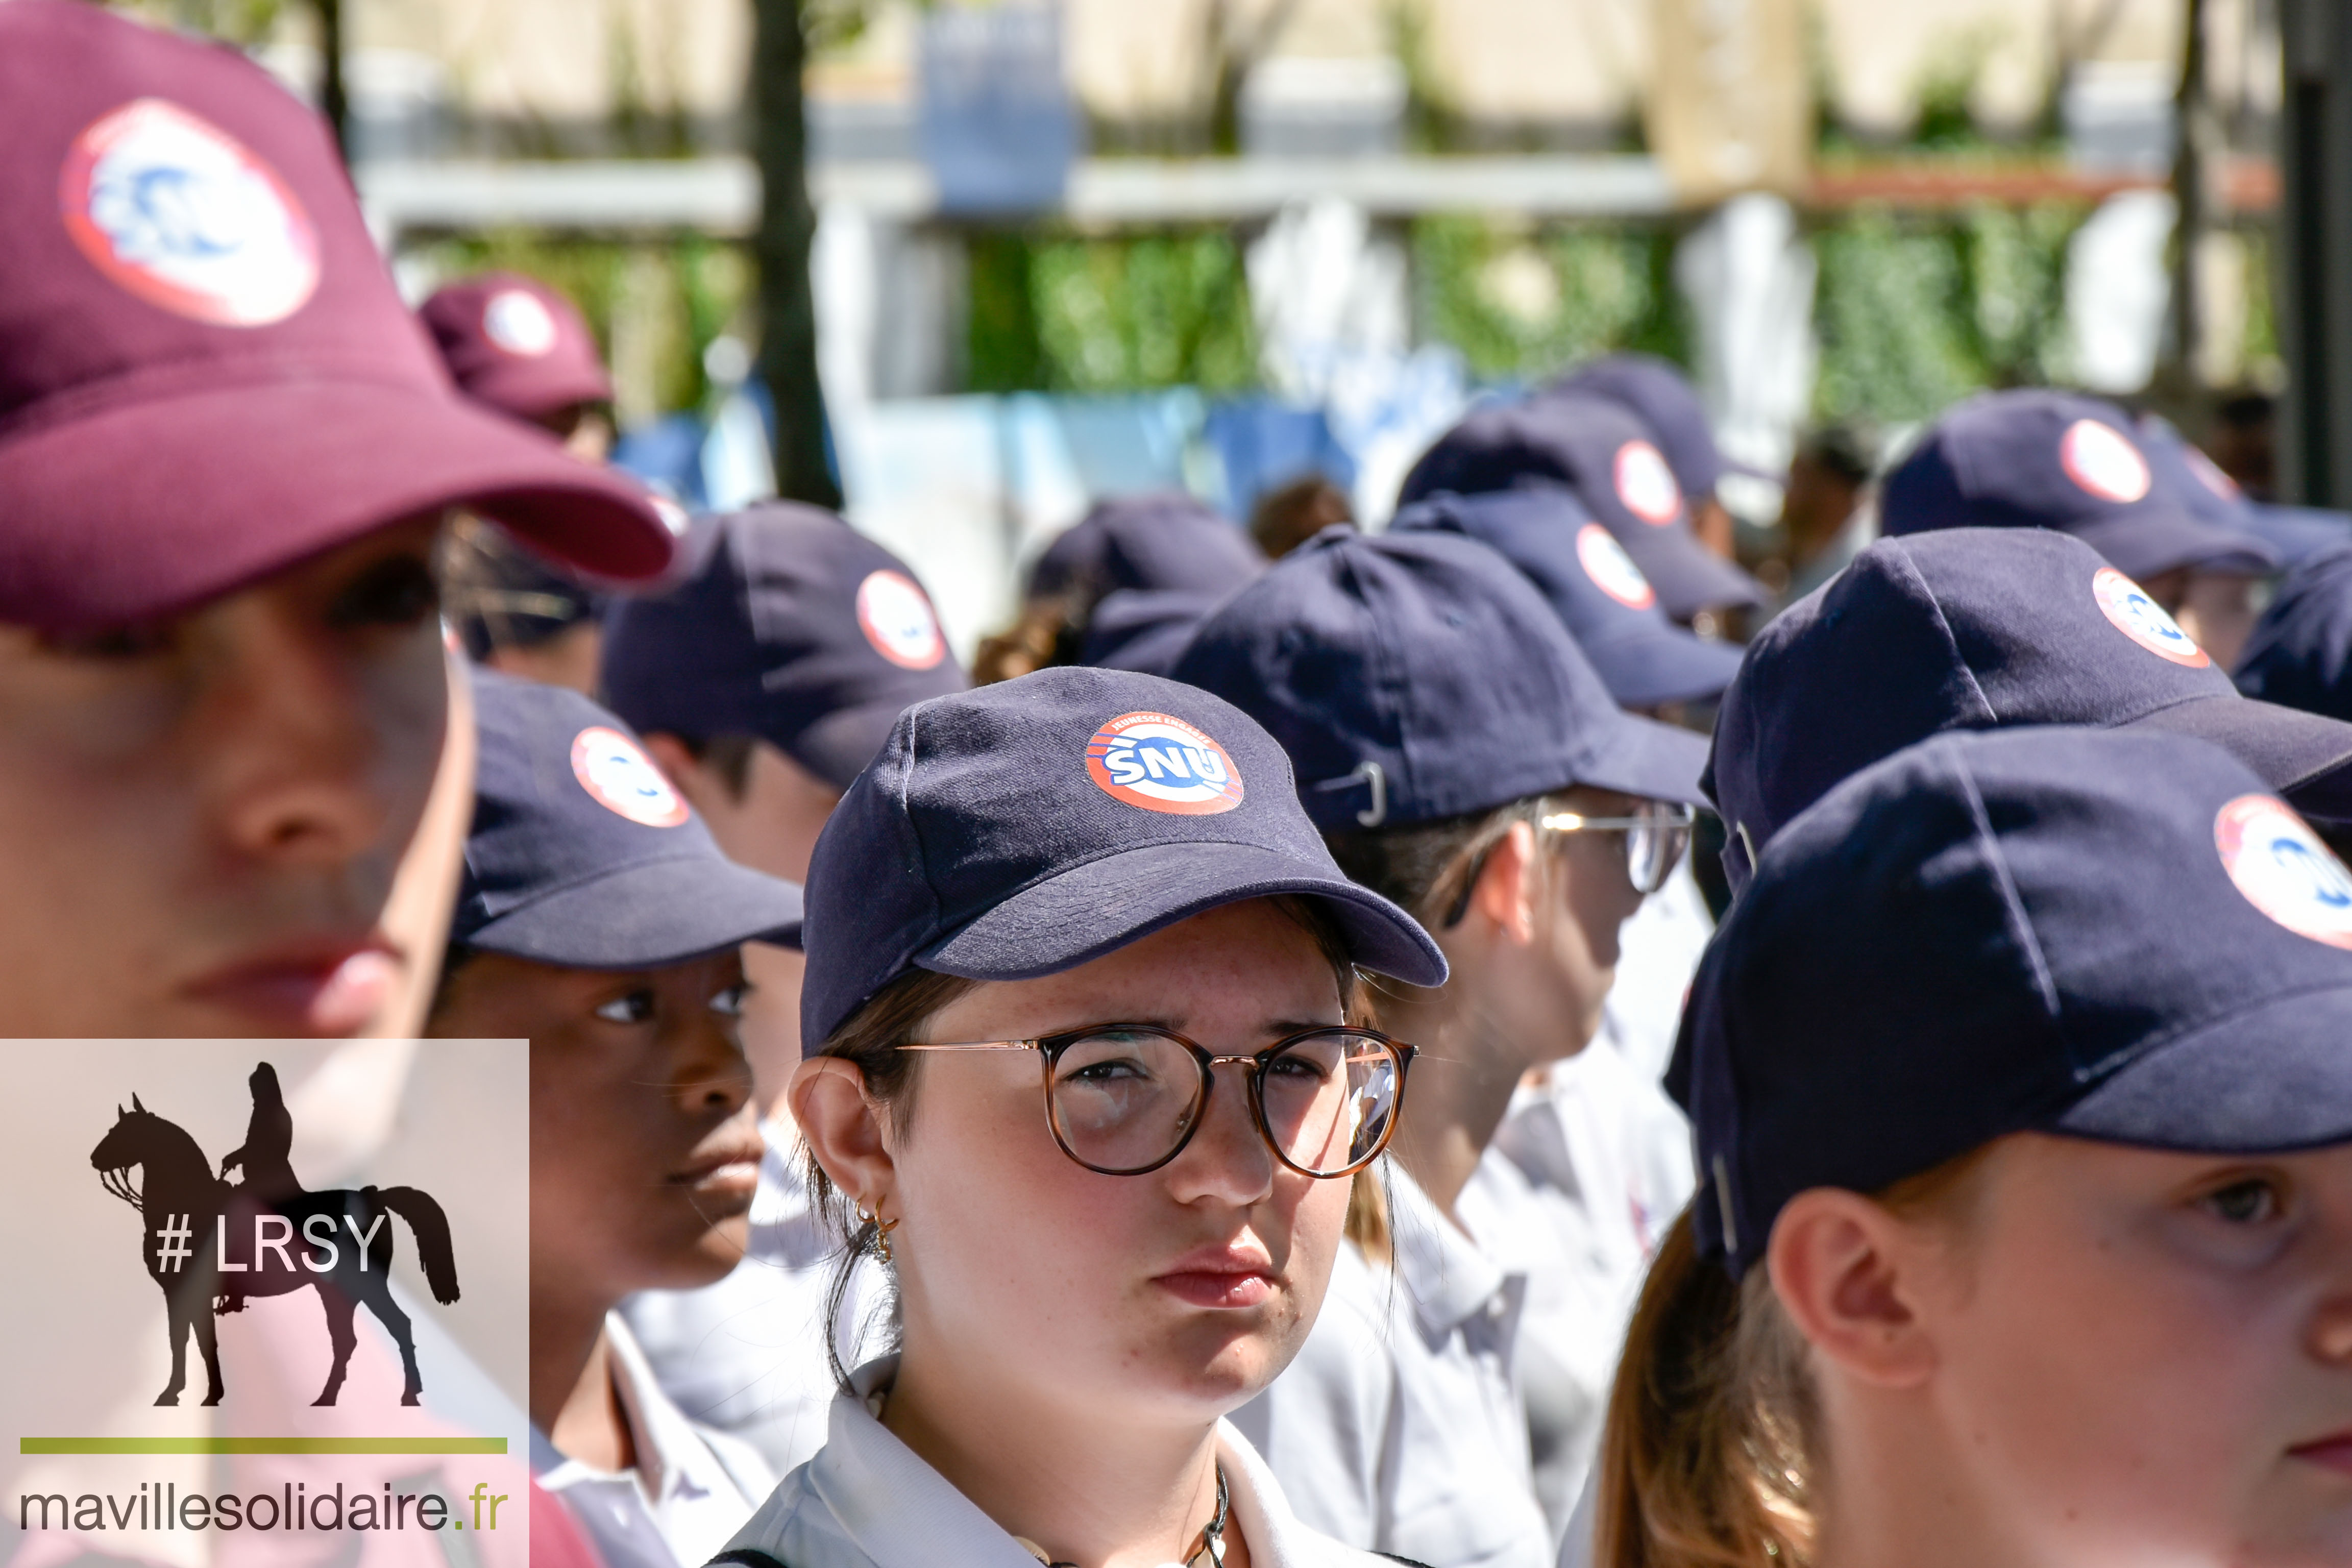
x=262, y=1446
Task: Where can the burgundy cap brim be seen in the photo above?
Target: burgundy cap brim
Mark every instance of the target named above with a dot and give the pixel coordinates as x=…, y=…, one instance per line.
x=144, y=507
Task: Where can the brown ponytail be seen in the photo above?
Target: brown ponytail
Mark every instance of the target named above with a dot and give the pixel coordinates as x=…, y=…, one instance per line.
x=1706, y=1461
x=1713, y=1455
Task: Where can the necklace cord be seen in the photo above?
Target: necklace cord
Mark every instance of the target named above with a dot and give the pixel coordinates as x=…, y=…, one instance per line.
x=1212, y=1536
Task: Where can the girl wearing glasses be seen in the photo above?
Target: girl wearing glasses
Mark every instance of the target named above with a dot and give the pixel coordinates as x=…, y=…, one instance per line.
x=2020, y=1083
x=1081, y=1073
x=1463, y=760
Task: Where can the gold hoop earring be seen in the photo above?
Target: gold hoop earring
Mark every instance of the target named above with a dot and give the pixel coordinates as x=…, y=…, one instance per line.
x=882, y=1229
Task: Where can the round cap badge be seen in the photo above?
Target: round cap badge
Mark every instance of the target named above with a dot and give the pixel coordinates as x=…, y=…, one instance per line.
x=623, y=779
x=519, y=321
x=1161, y=763
x=897, y=619
x=1647, y=485
x=2284, y=869
x=2126, y=604
x=179, y=212
x=2102, y=460
x=1611, y=569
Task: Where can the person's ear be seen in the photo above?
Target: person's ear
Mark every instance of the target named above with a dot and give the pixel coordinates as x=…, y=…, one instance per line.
x=702, y=788
x=843, y=1126
x=1507, y=890
x=1849, y=1274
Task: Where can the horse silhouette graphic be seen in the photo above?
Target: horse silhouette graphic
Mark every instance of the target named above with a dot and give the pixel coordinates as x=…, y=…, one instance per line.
x=211, y=1244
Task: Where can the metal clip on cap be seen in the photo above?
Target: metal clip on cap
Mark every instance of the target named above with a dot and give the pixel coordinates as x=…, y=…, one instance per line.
x=1369, y=774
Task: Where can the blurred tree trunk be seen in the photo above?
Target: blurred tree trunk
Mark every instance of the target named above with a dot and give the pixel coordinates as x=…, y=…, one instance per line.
x=1230, y=50
x=787, y=361
x=2180, y=381
x=334, y=101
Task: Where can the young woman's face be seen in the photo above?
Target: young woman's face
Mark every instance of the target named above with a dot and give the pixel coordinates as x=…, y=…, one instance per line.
x=1589, y=899
x=200, y=818
x=645, y=1148
x=2149, y=1355
x=1175, y=1295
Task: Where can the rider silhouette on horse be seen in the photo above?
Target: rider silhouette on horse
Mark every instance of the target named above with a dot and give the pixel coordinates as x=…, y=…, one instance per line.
x=269, y=1177
x=210, y=1244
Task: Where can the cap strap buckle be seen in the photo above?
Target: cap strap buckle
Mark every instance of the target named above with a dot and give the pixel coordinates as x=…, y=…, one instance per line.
x=1368, y=773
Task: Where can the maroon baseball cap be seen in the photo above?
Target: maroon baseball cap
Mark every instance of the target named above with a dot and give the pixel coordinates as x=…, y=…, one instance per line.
x=206, y=371
x=517, y=344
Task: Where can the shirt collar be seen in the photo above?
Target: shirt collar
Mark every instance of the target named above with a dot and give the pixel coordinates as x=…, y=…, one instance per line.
x=901, y=1513
x=1447, y=1275
x=895, y=1507
x=671, y=1456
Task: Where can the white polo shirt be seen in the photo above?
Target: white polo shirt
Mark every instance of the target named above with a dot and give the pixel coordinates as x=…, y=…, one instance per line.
x=1400, y=1427
x=747, y=1354
x=1586, y=1173
x=691, y=1489
x=867, y=1500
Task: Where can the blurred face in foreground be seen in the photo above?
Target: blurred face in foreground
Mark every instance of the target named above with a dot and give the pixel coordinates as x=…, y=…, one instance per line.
x=201, y=816
x=2113, y=1357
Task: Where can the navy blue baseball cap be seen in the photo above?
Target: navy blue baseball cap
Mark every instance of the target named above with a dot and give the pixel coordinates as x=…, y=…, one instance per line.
x=1600, y=452
x=1971, y=629
x=1162, y=540
x=1413, y=677
x=2116, y=937
x=1029, y=827
x=581, y=854
x=792, y=627
x=2296, y=532
x=2060, y=460
x=1599, y=593
x=1657, y=391
x=2300, y=655
x=1143, y=629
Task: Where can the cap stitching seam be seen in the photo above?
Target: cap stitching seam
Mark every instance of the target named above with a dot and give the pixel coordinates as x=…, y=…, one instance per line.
x=1063, y=867
x=1391, y=677
x=2019, y=921
x=586, y=877
x=2117, y=1062
x=192, y=376
x=1951, y=638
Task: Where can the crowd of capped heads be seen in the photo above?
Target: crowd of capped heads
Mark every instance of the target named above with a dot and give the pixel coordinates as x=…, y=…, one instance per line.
x=1561, y=1026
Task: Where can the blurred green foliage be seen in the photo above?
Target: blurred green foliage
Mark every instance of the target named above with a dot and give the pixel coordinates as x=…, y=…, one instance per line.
x=1062, y=312
x=246, y=22
x=1521, y=302
x=1916, y=313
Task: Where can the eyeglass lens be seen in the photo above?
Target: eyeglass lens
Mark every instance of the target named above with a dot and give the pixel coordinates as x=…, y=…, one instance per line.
x=1655, y=846
x=1125, y=1100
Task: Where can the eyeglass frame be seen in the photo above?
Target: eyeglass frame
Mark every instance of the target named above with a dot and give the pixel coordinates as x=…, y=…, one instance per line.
x=1051, y=1046
x=1677, y=816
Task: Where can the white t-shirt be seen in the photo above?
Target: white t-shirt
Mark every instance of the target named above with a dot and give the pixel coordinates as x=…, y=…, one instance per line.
x=1588, y=1169
x=692, y=1488
x=1399, y=1428
x=867, y=1500
x=747, y=1354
